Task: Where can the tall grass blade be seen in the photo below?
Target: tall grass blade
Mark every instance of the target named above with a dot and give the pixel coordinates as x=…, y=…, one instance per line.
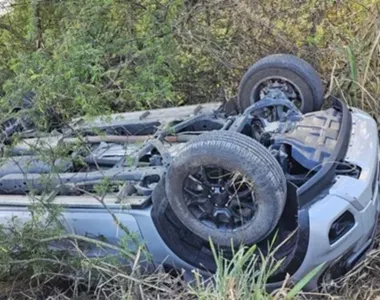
x=353, y=72
x=302, y=283
x=353, y=65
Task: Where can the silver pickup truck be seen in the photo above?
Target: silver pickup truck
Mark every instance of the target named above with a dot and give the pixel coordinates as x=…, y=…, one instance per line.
x=272, y=165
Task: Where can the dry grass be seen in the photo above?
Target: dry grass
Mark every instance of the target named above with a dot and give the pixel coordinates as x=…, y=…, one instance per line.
x=352, y=71
x=104, y=280
x=100, y=279
x=355, y=66
x=362, y=282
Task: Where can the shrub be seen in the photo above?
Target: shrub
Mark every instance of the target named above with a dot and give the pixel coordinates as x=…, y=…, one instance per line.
x=98, y=56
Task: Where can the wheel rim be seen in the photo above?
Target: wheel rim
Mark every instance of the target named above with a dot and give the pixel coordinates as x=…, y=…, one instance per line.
x=291, y=90
x=219, y=198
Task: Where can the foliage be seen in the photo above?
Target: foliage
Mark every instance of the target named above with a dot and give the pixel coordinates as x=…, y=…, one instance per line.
x=92, y=57
x=97, y=56
x=245, y=276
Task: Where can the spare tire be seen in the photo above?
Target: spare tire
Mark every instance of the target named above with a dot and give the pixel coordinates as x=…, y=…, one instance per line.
x=226, y=187
x=294, y=76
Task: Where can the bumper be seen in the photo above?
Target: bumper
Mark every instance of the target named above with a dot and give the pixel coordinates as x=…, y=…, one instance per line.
x=356, y=197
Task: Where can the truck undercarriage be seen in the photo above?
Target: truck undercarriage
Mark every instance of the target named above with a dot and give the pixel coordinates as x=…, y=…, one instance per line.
x=279, y=168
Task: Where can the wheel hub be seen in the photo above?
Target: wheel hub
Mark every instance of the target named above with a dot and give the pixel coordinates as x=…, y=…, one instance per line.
x=219, y=198
x=281, y=85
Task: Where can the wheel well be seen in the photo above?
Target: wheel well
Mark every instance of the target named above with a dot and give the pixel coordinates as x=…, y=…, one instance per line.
x=193, y=250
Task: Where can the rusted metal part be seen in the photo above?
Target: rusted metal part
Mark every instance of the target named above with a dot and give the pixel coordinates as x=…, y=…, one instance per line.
x=128, y=139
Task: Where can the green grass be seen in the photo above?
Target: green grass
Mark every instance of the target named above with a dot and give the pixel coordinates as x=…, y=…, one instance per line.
x=202, y=59
x=34, y=269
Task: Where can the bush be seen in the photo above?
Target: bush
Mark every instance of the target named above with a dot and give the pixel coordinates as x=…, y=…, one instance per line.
x=93, y=57
x=99, y=56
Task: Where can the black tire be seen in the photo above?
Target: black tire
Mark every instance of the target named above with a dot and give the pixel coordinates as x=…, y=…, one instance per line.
x=299, y=73
x=238, y=153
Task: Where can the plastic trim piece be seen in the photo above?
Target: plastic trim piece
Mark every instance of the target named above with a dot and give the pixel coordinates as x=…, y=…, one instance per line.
x=312, y=188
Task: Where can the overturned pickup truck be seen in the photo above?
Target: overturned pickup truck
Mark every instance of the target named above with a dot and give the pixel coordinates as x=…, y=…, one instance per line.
x=276, y=166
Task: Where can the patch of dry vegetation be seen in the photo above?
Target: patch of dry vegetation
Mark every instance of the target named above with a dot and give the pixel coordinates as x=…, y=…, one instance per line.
x=212, y=43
